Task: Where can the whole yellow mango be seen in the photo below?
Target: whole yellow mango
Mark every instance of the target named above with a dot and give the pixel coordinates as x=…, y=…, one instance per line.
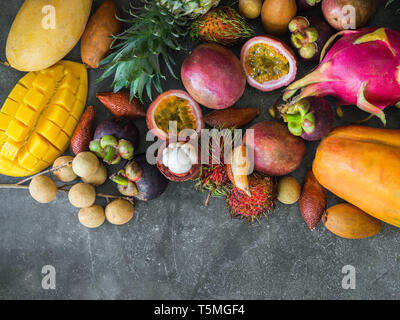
x=44, y=31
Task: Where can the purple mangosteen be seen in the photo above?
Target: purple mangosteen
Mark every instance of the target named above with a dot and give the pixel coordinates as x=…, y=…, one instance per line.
x=115, y=139
x=309, y=35
x=311, y=118
x=140, y=179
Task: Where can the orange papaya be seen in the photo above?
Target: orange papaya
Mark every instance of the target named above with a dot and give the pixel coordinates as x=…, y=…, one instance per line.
x=362, y=166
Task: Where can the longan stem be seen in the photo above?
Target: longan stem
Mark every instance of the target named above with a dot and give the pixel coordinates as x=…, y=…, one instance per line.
x=102, y=195
x=13, y=186
x=67, y=164
x=62, y=188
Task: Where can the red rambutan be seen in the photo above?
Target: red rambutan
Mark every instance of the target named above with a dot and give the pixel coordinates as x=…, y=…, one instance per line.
x=262, y=200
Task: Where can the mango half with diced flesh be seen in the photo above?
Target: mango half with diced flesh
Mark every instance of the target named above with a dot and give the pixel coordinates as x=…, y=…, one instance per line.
x=39, y=117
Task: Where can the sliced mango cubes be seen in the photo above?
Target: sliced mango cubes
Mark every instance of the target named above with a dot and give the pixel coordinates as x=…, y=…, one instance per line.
x=39, y=117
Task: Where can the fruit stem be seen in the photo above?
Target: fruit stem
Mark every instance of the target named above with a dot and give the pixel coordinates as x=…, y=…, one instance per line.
x=13, y=186
x=62, y=189
x=66, y=164
x=208, y=198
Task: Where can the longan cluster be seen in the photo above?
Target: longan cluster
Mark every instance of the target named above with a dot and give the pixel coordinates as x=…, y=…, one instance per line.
x=82, y=195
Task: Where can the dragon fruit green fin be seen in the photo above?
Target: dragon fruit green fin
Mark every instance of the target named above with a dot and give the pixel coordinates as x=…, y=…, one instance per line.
x=398, y=105
x=366, y=106
x=377, y=35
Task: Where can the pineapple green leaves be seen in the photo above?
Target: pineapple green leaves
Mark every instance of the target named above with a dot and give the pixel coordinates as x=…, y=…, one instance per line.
x=155, y=31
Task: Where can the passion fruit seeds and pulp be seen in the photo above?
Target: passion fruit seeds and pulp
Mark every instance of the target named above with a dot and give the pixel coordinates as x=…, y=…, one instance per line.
x=269, y=64
x=174, y=106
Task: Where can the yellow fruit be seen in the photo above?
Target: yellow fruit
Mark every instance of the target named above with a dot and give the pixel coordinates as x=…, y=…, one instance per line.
x=250, y=9
x=288, y=190
x=39, y=117
x=98, y=178
x=64, y=174
x=82, y=195
x=35, y=42
x=350, y=222
x=119, y=211
x=92, y=217
x=85, y=164
x=43, y=189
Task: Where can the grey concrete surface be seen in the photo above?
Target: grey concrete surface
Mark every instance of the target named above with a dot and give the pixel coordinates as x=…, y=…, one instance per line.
x=175, y=247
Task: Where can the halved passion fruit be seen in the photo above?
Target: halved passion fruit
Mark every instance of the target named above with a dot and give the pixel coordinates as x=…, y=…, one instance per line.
x=174, y=106
x=179, y=161
x=269, y=64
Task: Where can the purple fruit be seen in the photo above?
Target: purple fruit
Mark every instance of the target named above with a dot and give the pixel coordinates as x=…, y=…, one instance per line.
x=309, y=35
x=303, y=5
x=310, y=118
x=120, y=128
x=147, y=182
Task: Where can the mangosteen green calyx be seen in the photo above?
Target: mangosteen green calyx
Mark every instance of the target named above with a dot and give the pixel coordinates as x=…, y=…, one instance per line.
x=311, y=118
x=299, y=118
x=115, y=139
x=112, y=150
x=309, y=35
x=140, y=179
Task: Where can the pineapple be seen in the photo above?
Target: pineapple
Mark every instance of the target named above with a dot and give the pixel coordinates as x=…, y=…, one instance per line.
x=155, y=30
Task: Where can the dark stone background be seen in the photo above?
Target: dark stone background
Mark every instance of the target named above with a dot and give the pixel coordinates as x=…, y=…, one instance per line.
x=175, y=247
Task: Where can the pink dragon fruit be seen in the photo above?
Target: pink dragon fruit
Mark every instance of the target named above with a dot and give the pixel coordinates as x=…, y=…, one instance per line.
x=362, y=68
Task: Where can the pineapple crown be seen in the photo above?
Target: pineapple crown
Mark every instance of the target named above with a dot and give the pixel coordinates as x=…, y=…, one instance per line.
x=188, y=8
x=155, y=30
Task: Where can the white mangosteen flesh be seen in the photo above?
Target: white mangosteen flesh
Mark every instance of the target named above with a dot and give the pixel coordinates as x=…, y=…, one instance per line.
x=179, y=157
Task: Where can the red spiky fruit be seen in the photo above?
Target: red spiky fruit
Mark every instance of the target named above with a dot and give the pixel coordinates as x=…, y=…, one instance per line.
x=261, y=201
x=223, y=25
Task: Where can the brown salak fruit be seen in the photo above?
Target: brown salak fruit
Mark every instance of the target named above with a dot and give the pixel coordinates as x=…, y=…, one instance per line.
x=84, y=131
x=312, y=201
x=97, y=37
x=350, y=222
x=276, y=15
x=231, y=117
x=120, y=105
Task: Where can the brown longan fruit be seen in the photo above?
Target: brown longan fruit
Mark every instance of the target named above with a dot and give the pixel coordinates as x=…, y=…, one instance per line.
x=98, y=178
x=43, y=189
x=119, y=211
x=85, y=164
x=82, y=195
x=65, y=174
x=288, y=190
x=92, y=217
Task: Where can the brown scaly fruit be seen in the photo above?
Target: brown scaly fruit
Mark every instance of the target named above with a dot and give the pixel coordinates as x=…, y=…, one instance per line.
x=260, y=203
x=312, y=201
x=119, y=104
x=223, y=25
x=231, y=117
x=84, y=131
